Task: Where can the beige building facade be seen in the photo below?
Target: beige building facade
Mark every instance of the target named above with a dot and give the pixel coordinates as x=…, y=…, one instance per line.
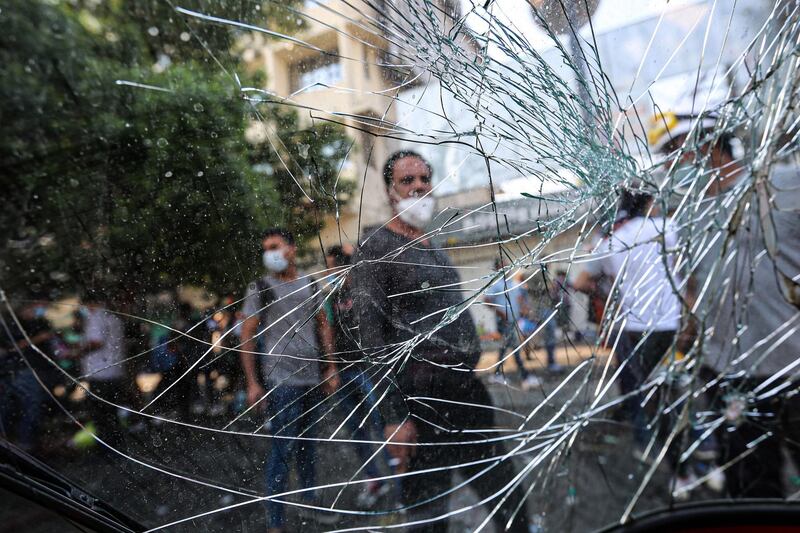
x=348, y=66
x=333, y=70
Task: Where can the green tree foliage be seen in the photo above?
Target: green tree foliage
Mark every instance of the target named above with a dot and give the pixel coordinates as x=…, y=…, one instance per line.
x=123, y=153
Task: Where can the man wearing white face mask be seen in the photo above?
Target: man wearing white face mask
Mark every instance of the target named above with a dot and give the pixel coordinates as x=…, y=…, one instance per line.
x=407, y=303
x=295, y=365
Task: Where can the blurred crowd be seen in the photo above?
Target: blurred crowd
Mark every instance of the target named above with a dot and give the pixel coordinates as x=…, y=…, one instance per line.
x=384, y=334
x=78, y=351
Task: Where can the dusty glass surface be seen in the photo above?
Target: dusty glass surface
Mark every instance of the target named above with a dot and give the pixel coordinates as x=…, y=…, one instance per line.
x=415, y=265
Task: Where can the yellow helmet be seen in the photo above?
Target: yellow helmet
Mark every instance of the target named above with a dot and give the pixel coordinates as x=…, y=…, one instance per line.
x=665, y=126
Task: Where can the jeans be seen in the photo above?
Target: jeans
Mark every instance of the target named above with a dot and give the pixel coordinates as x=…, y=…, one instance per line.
x=640, y=352
x=510, y=341
x=21, y=397
x=448, y=425
x=290, y=417
x=104, y=415
x=550, y=330
x=359, y=399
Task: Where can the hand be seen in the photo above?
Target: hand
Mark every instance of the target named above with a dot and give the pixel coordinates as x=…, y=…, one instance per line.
x=254, y=393
x=330, y=380
x=403, y=433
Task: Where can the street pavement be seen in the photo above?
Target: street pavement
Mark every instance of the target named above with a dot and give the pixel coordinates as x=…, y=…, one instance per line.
x=170, y=472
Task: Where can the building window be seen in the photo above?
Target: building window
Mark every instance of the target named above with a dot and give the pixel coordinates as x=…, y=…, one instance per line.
x=317, y=73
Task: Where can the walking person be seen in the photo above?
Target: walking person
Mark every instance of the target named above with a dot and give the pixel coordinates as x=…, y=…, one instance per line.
x=102, y=353
x=282, y=308
x=411, y=322
x=511, y=305
x=543, y=301
x=21, y=395
x=356, y=397
x=646, y=317
x=173, y=351
x=561, y=292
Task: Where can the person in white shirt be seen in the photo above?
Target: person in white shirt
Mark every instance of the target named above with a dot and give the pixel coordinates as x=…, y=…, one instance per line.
x=102, y=359
x=645, y=311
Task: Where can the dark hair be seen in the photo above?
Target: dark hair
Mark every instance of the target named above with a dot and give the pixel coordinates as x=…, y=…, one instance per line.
x=285, y=234
x=724, y=140
x=725, y=144
x=184, y=310
x=388, y=168
x=340, y=258
x=632, y=203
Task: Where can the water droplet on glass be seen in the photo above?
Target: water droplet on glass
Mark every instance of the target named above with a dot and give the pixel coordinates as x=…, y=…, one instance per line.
x=199, y=108
x=185, y=36
x=162, y=142
x=168, y=174
x=200, y=174
x=152, y=30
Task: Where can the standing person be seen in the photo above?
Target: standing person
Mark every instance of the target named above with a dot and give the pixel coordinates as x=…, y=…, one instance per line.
x=173, y=352
x=238, y=383
x=277, y=307
x=356, y=397
x=648, y=309
x=412, y=321
x=21, y=395
x=541, y=294
x=510, y=302
x=744, y=288
x=550, y=336
x=599, y=290
x=102, y=359
x=554, y=298
x=226, y=365
x=335, y=257
x=560, y=289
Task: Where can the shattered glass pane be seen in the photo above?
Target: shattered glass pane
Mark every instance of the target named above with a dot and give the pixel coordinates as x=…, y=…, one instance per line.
x=415, y=265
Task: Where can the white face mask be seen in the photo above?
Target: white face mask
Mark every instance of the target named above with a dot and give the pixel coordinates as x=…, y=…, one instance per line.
x=416, y=212
x=275, y=261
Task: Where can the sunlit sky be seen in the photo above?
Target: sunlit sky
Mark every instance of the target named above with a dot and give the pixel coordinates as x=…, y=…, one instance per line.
x=665, y=73
x=610, y=14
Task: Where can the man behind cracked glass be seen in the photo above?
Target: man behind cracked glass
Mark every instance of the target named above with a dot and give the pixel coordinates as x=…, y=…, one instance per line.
x=745, y=289
x=411, y=321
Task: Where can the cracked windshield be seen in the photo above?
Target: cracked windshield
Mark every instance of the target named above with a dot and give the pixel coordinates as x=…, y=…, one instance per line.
x=399, y=265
